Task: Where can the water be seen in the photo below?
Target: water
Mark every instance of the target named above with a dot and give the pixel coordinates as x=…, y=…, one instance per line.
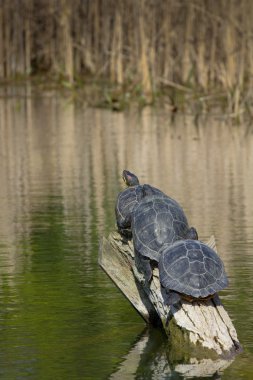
x=60, y=315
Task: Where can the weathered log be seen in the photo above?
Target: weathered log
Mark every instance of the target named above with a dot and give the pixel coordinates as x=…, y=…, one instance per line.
x=202, y=327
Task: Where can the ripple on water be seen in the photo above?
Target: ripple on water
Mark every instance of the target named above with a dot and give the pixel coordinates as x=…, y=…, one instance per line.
x=60, y=171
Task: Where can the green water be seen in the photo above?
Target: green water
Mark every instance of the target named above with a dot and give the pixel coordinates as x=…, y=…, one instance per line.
x=60, y=315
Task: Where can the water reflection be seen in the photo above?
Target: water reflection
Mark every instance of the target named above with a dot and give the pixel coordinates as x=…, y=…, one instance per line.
x=148, y=358
x=60, y=173
x=83, y=151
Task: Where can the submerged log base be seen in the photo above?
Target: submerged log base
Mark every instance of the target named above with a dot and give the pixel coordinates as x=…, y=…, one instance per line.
x=202, y=328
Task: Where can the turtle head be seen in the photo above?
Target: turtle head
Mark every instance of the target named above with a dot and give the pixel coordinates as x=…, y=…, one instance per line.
x=192, y=234
x=129, y=178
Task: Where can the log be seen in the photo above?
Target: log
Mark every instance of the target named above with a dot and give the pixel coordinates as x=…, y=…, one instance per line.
x=202, y=328
x=117, y=263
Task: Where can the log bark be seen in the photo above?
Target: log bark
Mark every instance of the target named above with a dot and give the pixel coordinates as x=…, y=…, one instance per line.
x=202, y=327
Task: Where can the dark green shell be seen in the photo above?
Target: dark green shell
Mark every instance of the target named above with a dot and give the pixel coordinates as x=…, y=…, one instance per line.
x=129, y=199
x=156, y=223
x=126, y=202
x=192, y=268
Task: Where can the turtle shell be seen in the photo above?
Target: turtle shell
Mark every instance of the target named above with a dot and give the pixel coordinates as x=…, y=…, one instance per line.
x=128, y=199
x=192, y=268
x=157, y=222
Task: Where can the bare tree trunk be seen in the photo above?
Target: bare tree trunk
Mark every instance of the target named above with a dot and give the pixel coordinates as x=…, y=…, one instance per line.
x=28, y=36
x=53, y=36
x=116, y=66
x=96, y=30
x=186, y=61
x=249, y=44
x=213, y=48
x=229, y=46
x=19, y=52
x=2, y=55
x=151, y=20
x=143, y=60
x=201, y=51
x=7, y=42
x=67, y=39
x=167, y=58
x=77, y=33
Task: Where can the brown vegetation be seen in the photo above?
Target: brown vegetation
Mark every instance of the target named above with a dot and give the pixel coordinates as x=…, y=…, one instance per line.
x=203, y=45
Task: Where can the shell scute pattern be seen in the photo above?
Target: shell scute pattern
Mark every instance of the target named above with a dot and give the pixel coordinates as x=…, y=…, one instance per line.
x=127, y=200
x=181, y=227
x=213, y=267
x=154, y=226
x=192, y=245
x=192, y=268
x=179, y=266
x=197, y=267
x=195, y=255
x=177, y=213
x=149, y=190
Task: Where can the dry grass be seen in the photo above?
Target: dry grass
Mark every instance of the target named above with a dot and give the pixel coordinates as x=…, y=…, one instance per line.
x=204, y=45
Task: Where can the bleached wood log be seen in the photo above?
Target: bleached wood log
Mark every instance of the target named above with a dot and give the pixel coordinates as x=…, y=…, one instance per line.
x=203, y=327
x=117, y=260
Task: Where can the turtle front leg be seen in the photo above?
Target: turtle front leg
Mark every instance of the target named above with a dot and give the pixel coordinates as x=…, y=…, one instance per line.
x=125, y=232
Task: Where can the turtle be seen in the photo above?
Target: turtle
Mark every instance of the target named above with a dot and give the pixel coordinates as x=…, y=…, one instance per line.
x=190, y=270
x=129, y=198
x=157, y=222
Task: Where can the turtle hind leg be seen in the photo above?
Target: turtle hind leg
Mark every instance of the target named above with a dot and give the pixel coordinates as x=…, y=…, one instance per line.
x=147, y=270
x=143, y=268
x=170, y=298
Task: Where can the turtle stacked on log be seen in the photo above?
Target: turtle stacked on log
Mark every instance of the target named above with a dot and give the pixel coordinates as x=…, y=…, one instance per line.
x=126, y=202
x=190, y=270
x=186, y=274
x=129, y=198
x=162, y=237
x=157, y=223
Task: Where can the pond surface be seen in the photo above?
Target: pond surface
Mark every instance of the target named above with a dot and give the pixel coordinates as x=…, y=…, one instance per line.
x=60, y=315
